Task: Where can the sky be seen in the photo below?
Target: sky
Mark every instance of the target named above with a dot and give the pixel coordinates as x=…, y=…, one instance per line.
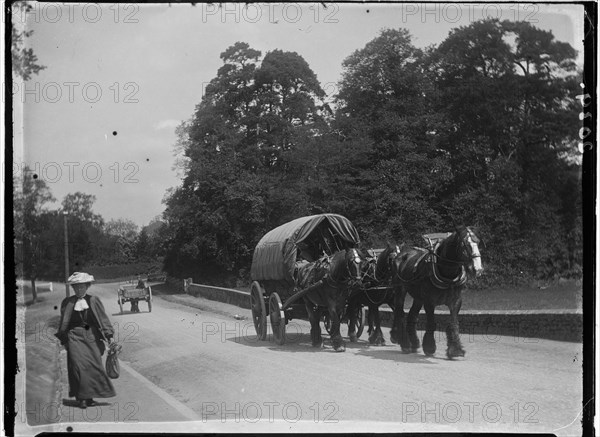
x=120, y=78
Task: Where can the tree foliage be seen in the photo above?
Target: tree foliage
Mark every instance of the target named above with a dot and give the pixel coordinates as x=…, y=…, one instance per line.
x=24, y=60
x=236, y=150
x=30, y=198
x=479, y=130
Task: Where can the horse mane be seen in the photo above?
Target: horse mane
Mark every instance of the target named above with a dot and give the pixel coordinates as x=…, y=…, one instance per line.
x=338, y=260
x=382, y=268
x=451, y=242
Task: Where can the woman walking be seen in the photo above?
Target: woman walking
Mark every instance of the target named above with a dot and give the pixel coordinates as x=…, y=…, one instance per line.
x=83, y=327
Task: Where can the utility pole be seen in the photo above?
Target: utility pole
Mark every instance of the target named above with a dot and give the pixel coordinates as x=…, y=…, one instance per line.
x=66, y=256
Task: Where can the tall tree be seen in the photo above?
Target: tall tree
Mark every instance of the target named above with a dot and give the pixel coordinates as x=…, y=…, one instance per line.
x=288, y=96
x=508, y=90
x=85, y=229
x=121, y=228
x=30, y=196
x=233, y=148
x=385, y=115
x=121, y=235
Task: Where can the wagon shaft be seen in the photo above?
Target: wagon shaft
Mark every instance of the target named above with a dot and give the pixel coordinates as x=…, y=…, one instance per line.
x=300, y=294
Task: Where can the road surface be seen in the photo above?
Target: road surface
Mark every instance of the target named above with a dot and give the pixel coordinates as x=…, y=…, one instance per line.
x=203, y=370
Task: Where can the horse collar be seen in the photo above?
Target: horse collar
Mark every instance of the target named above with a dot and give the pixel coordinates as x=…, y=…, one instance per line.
x=445, y=283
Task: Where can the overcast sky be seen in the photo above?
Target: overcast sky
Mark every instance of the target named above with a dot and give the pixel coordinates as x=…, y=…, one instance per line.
x=101, y=117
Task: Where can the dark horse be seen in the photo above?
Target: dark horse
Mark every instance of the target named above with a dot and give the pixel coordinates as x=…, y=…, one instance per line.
x=326, y=283
x=433, y=277
x=376, y=290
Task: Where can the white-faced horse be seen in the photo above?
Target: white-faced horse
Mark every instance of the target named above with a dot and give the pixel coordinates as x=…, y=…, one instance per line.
x=434, y=276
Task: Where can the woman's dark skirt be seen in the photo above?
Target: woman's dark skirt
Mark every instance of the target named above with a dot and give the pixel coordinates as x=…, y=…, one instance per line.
x=87, y=376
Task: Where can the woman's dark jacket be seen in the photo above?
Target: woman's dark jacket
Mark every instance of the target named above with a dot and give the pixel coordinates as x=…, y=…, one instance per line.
x=105, y=329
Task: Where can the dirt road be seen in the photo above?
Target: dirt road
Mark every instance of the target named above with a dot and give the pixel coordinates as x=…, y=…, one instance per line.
x=185, y=364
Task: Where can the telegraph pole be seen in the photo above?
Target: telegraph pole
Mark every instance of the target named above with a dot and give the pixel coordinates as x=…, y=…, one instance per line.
x=66, y=256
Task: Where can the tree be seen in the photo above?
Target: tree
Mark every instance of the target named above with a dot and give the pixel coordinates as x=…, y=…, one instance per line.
x=235, y=156
x=288, y=96
x=30, y=196
x=120, y=235
x=24, y=60
x=395, y=170
x=85, y=229
x=142, y=245
x=508, y=90
x=79, y=205
x=478, y=130
x=121, y=228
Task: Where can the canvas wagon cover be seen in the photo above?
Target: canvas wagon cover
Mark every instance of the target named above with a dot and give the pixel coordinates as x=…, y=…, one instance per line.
x=275, y=254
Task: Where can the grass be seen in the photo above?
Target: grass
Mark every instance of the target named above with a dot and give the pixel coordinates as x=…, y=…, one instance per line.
x=558, y=295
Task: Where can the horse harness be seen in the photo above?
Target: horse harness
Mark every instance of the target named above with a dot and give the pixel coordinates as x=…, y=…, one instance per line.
x=429, y=257
x=369, y=277
x=330, y=280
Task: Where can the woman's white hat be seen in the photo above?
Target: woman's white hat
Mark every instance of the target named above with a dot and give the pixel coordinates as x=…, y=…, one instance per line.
x=80, y=278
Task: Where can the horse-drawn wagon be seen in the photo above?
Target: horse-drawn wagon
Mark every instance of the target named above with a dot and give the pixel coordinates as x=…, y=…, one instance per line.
x=300, y=268
x=133, y=294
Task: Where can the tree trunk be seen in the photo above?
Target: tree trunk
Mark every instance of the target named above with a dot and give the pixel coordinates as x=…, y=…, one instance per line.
x=33, y=291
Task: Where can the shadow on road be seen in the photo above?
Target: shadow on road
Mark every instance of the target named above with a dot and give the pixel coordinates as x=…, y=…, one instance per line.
x=395, y=354
x=73, y=403
x=301, y=342
x=129, y=313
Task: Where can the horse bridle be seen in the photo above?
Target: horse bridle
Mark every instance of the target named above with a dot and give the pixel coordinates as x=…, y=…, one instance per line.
x=357, y=260
x=464, y=249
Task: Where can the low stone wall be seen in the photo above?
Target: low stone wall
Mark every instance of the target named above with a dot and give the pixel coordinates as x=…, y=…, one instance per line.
x=563, y=325
x=226, y=295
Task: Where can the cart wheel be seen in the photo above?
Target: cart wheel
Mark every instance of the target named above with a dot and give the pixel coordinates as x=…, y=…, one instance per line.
x=327, y=323
x=259, y=311
x=360, y=319
x=277, y=318
x=121, y=304
x=149, y=299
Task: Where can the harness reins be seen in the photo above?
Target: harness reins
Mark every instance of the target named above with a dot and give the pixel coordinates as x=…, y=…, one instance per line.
x=370, y=276
x=436, y=279
x=337, y=283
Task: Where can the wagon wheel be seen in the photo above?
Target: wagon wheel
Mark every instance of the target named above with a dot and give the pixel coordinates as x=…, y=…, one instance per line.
x=149, y=299
x=361, y=318
x=277, y=318
x=121, y=304
x=259, y=312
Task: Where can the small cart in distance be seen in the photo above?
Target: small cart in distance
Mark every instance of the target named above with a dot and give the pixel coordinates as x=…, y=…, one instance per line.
x=135, y=293
x=274, y=291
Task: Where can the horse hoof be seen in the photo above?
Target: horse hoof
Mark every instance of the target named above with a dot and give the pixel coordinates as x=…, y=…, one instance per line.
x=341, y=348
x=414, y=349
x=353, y=338
x=406, y=350
x=455, y=353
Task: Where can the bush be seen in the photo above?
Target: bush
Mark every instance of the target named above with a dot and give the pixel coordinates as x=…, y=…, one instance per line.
x=124, y=270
